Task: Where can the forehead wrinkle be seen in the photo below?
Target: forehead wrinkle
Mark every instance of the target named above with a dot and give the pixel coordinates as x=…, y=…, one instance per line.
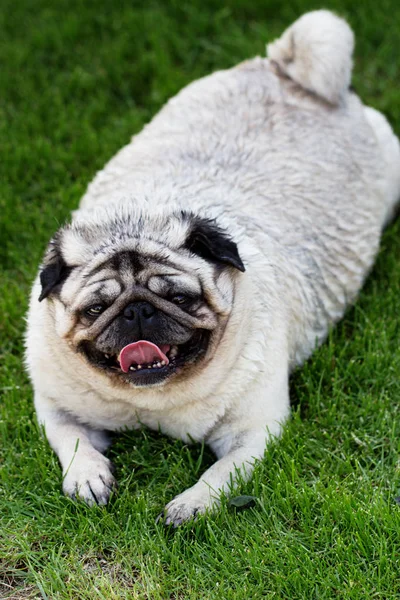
x=145, y=248
x=161, y=283
x=154, y=269
x=127, y=277
x=105, y=281
x=184, y=282
x=125, y=268
x=162, y=255
x=157, y=285
x=101, y=280
x=110, y=289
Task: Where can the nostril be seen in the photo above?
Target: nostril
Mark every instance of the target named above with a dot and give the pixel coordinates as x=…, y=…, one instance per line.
x=148, y=311
x=130, y=313
x=139, y=310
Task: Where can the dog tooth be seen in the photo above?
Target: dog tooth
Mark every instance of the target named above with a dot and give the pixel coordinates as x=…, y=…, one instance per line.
x=139, y=366
x=132, y=368
x=163, y=363
x=107, y=355
x=158, y=364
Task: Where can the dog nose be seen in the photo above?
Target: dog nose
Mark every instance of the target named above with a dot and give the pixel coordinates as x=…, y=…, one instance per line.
x=139, y=311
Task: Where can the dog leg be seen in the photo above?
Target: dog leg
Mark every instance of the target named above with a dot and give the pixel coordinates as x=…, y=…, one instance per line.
x=87, y=473
x=236, y=452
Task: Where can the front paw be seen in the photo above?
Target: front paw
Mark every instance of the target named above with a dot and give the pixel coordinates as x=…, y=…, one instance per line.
x=90, y=479
x=189, y=505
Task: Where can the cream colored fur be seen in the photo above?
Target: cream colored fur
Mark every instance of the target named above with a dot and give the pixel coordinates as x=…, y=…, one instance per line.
x=304, y=178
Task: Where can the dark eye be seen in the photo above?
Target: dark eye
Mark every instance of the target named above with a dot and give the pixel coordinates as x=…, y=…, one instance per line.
x=95, y=310
x=180, y=299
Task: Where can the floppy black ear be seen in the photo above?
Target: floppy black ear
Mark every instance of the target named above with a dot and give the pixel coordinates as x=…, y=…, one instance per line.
x=54, y=271
x=210, y=242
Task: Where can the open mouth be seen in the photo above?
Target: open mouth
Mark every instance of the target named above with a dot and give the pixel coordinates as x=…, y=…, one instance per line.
x=145, y=363
x=143, y=355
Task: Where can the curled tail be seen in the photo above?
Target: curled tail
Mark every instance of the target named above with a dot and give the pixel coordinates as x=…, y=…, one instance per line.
x=316, y=52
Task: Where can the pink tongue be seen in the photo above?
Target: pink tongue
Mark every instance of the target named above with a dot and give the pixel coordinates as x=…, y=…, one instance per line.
x=142, y=352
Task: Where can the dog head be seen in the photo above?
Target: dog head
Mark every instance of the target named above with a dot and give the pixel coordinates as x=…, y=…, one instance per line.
x=143, y=299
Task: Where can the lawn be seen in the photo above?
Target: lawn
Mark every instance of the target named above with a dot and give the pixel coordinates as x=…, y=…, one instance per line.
x=77, y=79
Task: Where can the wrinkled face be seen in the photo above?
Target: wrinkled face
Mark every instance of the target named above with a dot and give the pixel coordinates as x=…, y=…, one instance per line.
x=141, y=313
x=132, y=299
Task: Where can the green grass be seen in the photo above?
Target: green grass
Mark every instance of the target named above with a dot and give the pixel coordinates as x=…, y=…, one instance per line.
x=76, y=80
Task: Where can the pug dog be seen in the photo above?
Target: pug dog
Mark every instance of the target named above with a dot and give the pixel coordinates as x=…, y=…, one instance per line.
x=208, y=259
